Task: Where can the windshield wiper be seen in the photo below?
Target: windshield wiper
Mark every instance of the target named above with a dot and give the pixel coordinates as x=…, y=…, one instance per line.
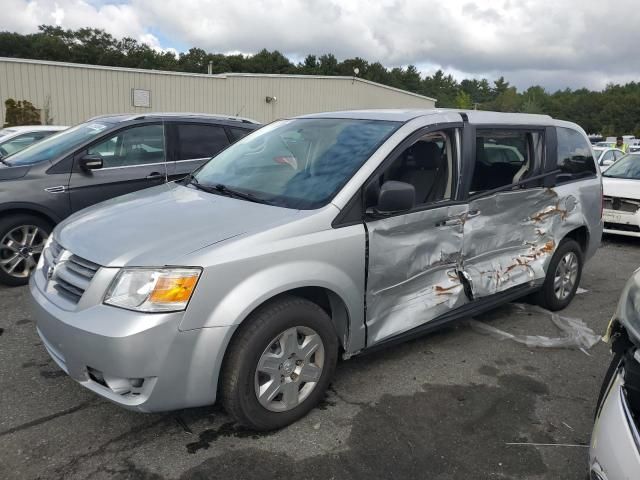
x=221, y=189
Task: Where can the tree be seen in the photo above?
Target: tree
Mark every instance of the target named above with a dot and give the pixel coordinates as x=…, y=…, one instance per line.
x=463, y=100
x=612, y=111
x=20, y=112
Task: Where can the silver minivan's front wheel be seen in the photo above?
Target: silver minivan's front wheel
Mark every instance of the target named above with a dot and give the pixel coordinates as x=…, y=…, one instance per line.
x=289, y=369
x=279, y=363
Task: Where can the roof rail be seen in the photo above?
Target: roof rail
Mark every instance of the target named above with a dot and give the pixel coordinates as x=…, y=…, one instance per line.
x=141, y=116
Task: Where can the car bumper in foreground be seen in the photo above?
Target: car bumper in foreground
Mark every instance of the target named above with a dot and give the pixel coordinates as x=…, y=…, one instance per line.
x=615, y=443
x=139, y=361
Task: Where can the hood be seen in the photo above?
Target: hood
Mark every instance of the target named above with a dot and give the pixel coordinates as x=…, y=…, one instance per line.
x=621, y=187
x=157, y=226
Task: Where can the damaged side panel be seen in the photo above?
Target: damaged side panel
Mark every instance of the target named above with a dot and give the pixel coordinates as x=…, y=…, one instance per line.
x=512, y=237
x=414, y=265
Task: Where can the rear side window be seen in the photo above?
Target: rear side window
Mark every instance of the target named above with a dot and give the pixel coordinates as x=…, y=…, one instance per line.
x=505, y=157
x=575, y=159
x=199, y=141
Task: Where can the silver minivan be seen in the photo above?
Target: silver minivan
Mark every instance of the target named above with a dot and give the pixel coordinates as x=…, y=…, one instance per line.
x=313, y=237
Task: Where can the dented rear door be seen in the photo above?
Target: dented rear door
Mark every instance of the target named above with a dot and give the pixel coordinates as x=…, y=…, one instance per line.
x=513, y=228
x=509, y=238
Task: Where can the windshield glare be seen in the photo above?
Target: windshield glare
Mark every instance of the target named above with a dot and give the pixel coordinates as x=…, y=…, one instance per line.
x=627, y=167
x=300, y=163
x=57, y=144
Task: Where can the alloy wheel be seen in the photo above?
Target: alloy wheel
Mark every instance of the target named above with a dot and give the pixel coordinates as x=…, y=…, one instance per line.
x=565, y=276
x=289, y=369
x=20, y=250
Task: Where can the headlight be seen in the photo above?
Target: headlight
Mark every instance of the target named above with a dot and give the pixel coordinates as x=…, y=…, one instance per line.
x=628, y=311
x=153, y=290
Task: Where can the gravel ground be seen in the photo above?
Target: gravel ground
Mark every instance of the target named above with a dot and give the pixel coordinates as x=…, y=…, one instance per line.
x=444, y=406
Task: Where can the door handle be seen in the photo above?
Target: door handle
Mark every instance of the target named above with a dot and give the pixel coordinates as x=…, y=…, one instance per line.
x=473, y=213
x=154, y=175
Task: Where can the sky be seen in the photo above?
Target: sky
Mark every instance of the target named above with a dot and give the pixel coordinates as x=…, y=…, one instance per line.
x=553, y=43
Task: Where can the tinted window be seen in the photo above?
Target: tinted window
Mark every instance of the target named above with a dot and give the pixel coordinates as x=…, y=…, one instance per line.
x=575, y=159
x=200, y=141
x=133, y=146
x=504, y=157
x=300, y=163
x=238, y=133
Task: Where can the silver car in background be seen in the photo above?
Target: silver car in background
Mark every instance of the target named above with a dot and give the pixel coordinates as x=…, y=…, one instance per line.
x=334, y=233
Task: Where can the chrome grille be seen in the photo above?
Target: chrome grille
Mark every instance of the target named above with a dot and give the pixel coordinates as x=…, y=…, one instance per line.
x=69, y=275
x=621, y=204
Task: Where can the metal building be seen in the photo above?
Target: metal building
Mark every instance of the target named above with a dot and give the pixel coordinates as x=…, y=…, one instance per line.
x=74, y=92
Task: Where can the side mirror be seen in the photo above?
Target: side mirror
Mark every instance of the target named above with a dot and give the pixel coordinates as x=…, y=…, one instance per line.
x=90, y=162
x=396, y=197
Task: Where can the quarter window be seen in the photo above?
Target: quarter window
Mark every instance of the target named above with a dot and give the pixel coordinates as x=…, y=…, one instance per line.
x=200, y=141
x=505, y=157
x=133, y=146
x=238, y=133
x=575, y=158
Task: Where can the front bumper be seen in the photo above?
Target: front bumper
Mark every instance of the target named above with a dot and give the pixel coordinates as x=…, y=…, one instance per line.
x=614, y=452
x=139, y=361
x=621, y=222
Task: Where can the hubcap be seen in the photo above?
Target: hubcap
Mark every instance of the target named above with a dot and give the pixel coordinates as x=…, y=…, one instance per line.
x=289, y=369
x=20, y=250
x=566, y=276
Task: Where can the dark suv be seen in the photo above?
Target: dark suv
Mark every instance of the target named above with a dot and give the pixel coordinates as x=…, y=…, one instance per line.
x=102, y=158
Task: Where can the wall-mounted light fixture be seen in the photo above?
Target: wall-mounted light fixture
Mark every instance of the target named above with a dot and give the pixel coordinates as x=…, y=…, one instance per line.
x=269, y=99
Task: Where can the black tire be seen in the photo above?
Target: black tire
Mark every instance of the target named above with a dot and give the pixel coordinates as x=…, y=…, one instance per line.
x=546, y=297
x=238, y=389
x=8, y=224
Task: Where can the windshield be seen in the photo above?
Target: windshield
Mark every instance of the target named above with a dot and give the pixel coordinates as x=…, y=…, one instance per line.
x=627, y=167
x=55, y=145
x=300, y=163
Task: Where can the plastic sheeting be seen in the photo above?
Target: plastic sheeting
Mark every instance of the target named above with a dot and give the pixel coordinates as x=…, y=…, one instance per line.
x=576, y=333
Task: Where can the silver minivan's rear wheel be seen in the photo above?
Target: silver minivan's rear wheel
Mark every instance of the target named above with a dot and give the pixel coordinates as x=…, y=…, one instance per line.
x=279, y=363
x=22, y=238
x=563, y=276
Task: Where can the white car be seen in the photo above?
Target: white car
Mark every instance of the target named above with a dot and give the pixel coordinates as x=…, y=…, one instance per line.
x=606, y=156
x=14, y=139
x=621, y=202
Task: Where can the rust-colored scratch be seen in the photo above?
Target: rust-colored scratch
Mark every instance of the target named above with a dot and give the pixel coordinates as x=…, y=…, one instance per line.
x=445, y=290
x=549, y=211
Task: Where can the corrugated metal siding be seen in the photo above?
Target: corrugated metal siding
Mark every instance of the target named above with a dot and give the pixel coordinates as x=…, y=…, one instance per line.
x=78, y=92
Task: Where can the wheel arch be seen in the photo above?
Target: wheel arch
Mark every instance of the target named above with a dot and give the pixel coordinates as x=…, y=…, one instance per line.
x=581, y=236
x=29, y=209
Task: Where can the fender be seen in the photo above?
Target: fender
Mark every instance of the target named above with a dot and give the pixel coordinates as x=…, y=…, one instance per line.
x=33, y=207
x=265, y=284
